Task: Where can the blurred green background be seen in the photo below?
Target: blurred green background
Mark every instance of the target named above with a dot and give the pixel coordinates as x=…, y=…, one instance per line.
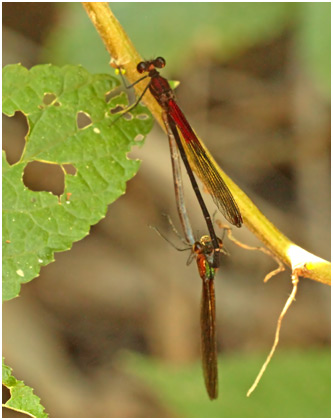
x=111, y=329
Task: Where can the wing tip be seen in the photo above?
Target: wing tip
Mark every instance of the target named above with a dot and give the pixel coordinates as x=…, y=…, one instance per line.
x=237, y=220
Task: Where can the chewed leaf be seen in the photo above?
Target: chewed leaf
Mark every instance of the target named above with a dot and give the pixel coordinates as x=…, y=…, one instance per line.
x=22, y=397
x=37, y=223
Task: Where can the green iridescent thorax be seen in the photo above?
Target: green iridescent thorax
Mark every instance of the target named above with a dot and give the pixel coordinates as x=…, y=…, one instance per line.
x=210, y=271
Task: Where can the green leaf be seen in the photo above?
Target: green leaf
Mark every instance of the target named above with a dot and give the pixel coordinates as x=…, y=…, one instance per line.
x=22, y=398
x=37, y=224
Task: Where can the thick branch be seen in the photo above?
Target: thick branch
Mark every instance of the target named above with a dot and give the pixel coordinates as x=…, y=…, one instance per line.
x=124, y=54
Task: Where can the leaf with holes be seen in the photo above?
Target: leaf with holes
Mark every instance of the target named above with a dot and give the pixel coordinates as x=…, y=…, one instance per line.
x=37, y=224
x=22, y=398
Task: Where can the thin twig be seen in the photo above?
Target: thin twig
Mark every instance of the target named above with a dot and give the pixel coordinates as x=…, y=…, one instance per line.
x=266, y=251
x=277, y=332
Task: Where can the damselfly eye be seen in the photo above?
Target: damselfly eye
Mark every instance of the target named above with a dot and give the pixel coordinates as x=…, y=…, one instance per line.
x=141, y=67
x=159, y=62
x=197, y=247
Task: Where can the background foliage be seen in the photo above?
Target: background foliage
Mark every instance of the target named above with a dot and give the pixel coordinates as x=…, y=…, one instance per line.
x=255, y=83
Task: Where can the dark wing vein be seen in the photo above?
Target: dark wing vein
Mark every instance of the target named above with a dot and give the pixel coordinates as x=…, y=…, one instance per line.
x=205, y=168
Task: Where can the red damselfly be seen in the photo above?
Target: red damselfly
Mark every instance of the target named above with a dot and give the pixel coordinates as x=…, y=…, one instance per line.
x=194, y=154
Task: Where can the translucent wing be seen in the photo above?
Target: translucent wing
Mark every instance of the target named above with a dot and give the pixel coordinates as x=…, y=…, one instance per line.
x=205, y=167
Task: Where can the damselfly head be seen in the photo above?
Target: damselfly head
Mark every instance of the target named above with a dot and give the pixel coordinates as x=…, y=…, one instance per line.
x=147, y=66
x=205, y=241
x=205, y=246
